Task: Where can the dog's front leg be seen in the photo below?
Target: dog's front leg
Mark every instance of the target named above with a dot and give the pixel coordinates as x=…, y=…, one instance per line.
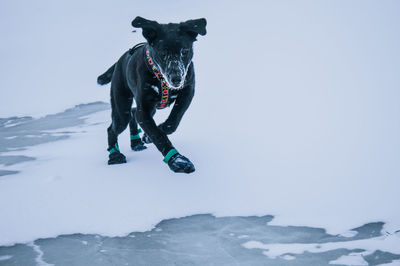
x=181, y=105
x=178, y=110
x=176, y=162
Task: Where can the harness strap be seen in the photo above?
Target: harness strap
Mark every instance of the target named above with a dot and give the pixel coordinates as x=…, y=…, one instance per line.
x=134, y=48
x=164, y=84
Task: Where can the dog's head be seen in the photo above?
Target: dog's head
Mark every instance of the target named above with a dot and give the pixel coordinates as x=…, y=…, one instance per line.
x=171, y=46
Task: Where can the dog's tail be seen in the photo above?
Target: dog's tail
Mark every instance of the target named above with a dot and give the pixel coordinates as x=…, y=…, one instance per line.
x=106, y=77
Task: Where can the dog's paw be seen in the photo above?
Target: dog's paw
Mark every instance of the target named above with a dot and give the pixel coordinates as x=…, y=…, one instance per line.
x=116, y=158
x=146, y=139
x=137, y=145
x=180, y=164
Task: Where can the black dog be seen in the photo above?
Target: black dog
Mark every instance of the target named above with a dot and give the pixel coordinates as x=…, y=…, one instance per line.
x=156, y=74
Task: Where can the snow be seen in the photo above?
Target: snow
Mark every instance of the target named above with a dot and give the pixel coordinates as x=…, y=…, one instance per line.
x=351, y=259
x=5, y=257
x=383, y=243
x=394, y=263
x=295, y=115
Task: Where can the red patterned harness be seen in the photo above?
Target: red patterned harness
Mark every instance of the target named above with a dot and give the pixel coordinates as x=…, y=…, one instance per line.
x=164, y=85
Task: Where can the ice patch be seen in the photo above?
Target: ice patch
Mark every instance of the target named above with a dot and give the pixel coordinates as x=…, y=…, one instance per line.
x=393, y=263
x=208, y=240
x=39, y=259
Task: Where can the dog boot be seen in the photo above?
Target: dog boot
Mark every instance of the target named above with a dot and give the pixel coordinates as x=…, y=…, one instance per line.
x=115, y=156
x=146, y=139
x=136, y=143
x=178, y=163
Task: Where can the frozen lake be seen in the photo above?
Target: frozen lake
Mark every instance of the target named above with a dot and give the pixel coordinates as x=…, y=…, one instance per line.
x=294, y=132
x=206, y=240
x=201, y=239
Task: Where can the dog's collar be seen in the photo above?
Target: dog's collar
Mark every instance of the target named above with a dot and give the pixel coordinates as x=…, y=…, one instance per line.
x=164, y=84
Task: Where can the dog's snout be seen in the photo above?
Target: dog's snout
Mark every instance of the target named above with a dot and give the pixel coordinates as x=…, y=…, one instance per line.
x=176, y=79
x=175, y=73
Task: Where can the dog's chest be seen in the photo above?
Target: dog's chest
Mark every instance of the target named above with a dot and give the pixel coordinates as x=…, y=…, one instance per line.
x=156, y=93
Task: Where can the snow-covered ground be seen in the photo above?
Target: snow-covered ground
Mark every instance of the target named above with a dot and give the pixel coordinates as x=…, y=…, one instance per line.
x=296, y=115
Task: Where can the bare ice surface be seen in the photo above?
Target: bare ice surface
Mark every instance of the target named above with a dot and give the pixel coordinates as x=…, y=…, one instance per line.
x=18, y=133
x=205, y=240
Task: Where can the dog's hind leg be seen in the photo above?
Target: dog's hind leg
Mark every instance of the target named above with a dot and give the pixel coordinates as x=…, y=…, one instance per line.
x=115, y=156
x=136, y=142
x=121, y=102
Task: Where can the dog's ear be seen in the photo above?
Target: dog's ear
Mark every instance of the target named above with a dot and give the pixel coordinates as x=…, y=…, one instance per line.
x=150, y=28
x=194, y=27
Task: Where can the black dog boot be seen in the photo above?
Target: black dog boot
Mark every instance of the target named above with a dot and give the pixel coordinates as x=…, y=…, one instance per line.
x=136, y=143
x=146, y=139
x=115, y=157
x=178, y=163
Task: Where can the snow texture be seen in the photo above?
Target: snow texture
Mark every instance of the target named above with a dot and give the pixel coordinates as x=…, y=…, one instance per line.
x=296, y=115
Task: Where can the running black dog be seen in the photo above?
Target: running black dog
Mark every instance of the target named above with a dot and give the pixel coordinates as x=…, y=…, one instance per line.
x=156, y=74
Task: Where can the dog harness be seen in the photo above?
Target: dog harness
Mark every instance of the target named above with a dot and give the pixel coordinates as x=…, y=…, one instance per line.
x=164, y=84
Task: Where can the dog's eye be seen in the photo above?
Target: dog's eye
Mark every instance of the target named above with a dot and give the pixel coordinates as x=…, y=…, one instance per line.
x=185, y=51
x=164, y=54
